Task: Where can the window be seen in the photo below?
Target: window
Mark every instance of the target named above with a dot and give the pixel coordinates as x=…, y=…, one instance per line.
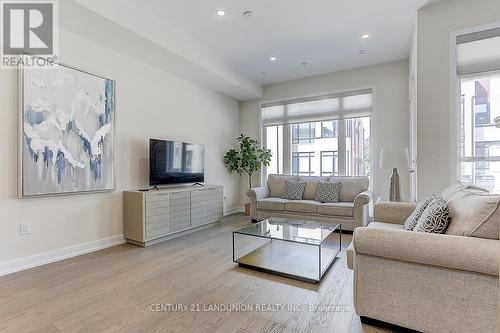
x=478, y=68
x=480, y=139
x=274, y=142
x=322, y=136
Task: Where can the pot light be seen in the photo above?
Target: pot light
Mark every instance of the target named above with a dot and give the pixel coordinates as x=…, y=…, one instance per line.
x=365, y=36
x=221, y=12
x=273, y=58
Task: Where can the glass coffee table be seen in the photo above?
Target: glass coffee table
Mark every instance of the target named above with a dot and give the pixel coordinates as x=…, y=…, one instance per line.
x=299, y=249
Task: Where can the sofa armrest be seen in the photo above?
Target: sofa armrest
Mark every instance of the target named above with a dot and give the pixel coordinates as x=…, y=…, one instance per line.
x=472, y=254
x=393, y=212
x=256, y=194
x=361, y=210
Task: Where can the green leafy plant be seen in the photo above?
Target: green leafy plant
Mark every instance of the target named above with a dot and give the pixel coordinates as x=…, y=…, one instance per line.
x=249, y=158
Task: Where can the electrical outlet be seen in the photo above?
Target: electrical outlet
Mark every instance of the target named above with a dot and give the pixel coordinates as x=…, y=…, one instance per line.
x=25, y=228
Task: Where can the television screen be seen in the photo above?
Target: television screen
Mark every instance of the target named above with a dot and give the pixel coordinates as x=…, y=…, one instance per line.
x=173, y=162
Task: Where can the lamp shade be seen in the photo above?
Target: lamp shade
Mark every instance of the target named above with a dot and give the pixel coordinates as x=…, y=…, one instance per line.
x=394, y=158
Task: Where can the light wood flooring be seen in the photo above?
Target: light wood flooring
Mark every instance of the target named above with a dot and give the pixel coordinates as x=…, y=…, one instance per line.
x=115, y=290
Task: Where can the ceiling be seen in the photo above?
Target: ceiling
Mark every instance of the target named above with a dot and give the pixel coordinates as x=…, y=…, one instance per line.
x=326, y=34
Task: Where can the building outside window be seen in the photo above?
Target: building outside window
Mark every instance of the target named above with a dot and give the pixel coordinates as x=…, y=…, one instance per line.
x=303, y=133
x=329, y=163
x=329, y=129
x=303, y=163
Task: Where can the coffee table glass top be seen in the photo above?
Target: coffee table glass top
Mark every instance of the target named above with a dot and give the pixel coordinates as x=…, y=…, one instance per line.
x=299, y=231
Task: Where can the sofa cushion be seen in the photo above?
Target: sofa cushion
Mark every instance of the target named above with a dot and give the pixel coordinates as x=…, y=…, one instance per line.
x=337, y=209
x=312, y=186
x=272, y=204
x=293, y=190
x=474, y=213
x=276, y=184
x=350, y=256
x=351, y=186
x=435, y=217
x=328, y=192
x=305, y=206
x=412, y=220
x=385, y=226
x=458, y=186
x=452, y=190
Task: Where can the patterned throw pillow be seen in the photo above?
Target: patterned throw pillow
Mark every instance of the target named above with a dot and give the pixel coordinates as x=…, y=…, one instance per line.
x=435, y=217
x=293, y=190
x=412, y=220
x=328, y=192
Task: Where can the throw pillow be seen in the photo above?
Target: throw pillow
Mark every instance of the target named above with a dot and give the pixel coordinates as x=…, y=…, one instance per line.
x=475, y=214
x=412, y=220
x=293, y=190
x=328, y=192
x=435, y=217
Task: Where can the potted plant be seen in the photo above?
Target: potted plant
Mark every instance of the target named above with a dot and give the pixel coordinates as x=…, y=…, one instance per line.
x=248, y=159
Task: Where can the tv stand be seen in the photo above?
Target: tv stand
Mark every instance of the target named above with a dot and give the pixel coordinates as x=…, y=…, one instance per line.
x=154, y=216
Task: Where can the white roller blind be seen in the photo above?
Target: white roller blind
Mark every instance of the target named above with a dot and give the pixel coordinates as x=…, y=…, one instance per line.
x=327, y=107
x=478, y=52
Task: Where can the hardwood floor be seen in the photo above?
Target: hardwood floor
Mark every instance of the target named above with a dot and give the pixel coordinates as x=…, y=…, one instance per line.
x=128, y=288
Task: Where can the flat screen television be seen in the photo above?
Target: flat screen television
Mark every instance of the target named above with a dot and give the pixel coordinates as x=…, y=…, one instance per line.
x=174, y=162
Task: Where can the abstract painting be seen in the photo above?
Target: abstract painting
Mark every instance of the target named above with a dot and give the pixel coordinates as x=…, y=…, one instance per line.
x=67, y=134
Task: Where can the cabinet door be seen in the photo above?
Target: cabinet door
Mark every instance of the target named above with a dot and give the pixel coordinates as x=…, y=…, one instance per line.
x=157, y=215
x=198, y=207
x=180, y=211
x=214, y=204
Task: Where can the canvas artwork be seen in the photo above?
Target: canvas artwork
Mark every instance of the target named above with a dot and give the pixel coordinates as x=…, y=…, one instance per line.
x=67, y=132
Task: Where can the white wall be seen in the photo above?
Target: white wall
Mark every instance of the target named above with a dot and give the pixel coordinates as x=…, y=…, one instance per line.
x=390, y=121
x=437, y=165
x=150, y=103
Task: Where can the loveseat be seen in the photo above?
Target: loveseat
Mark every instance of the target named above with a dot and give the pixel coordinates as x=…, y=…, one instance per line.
x=430, y=282
x=351, y=211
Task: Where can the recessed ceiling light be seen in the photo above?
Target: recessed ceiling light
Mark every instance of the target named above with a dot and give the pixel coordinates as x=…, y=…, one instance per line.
x=221, y=12
x=362, y=51
x=247, y=13
x=365, y=36
x=273, y=58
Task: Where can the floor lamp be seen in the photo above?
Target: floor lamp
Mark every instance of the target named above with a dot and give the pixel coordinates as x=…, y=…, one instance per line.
x=394, y=158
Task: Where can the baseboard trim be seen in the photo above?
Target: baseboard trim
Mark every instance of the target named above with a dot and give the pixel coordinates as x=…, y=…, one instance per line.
x=21, y=264
x=231, y=211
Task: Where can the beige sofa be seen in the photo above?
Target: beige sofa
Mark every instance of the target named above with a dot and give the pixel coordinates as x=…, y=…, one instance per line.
x=426, y=282
x=352, y=211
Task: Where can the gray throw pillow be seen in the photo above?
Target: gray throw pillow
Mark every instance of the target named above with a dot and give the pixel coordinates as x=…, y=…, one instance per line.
x=412, y=220
x=435, y=217
x=293, y=190
x=328, y=192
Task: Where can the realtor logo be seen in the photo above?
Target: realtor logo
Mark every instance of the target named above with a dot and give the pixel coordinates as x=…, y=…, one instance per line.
x=28, y=28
